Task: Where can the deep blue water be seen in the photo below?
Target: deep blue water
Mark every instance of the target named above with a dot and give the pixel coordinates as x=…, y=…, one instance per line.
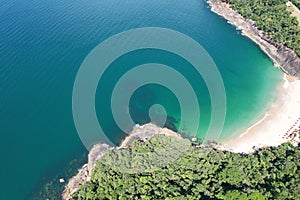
x=42, y=45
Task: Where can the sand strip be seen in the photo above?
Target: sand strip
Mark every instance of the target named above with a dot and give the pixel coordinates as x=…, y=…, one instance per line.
x=278, y=124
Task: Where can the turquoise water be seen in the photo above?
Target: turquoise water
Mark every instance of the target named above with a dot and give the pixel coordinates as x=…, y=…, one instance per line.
x=42, y=45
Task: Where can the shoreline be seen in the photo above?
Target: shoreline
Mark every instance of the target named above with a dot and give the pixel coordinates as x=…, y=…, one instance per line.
x=139, y=132
x=283, y=57
x=272, y=129
x=278, y=125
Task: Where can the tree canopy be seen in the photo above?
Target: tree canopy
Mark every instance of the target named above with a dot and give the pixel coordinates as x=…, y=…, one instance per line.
x=197, y=173
x=273, y=18
x=296, y=3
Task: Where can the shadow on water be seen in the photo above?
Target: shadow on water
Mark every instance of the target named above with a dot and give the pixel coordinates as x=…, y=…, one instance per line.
x=49, y=186
x=147, y=96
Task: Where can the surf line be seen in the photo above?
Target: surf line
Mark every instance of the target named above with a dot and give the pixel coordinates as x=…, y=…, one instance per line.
x=254, y=125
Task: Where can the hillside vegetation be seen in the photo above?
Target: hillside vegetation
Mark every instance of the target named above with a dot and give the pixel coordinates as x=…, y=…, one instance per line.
x=296, y=3
x=196, y=173
x=273, y=18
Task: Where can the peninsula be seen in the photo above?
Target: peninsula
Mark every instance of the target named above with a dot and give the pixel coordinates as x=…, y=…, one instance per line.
x=156, y=163
x=139, y=133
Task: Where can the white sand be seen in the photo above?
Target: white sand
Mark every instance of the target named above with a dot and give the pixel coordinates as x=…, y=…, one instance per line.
x=281, y=120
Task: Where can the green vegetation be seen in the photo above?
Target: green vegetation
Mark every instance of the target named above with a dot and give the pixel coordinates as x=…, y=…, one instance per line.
x=296, y=3
x=272, y=17
x=196, y=173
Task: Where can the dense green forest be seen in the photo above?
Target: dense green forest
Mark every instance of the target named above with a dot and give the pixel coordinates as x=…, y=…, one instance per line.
x=197, y=173
x=272, y=17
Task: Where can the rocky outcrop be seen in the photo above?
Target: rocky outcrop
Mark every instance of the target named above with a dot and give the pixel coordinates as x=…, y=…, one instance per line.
x=84, y=173
x=282, y=56
x=144, y=132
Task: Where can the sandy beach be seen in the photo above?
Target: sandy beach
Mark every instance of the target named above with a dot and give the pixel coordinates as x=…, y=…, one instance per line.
x=277, y=125
x=283, y=116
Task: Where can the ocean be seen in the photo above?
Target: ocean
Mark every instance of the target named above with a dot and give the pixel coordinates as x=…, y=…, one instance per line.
x=42, y=46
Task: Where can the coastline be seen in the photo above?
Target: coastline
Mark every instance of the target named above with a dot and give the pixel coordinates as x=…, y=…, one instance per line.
x=143, y=132
x=273, y=129
x=277, y=126
x=283, y=57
